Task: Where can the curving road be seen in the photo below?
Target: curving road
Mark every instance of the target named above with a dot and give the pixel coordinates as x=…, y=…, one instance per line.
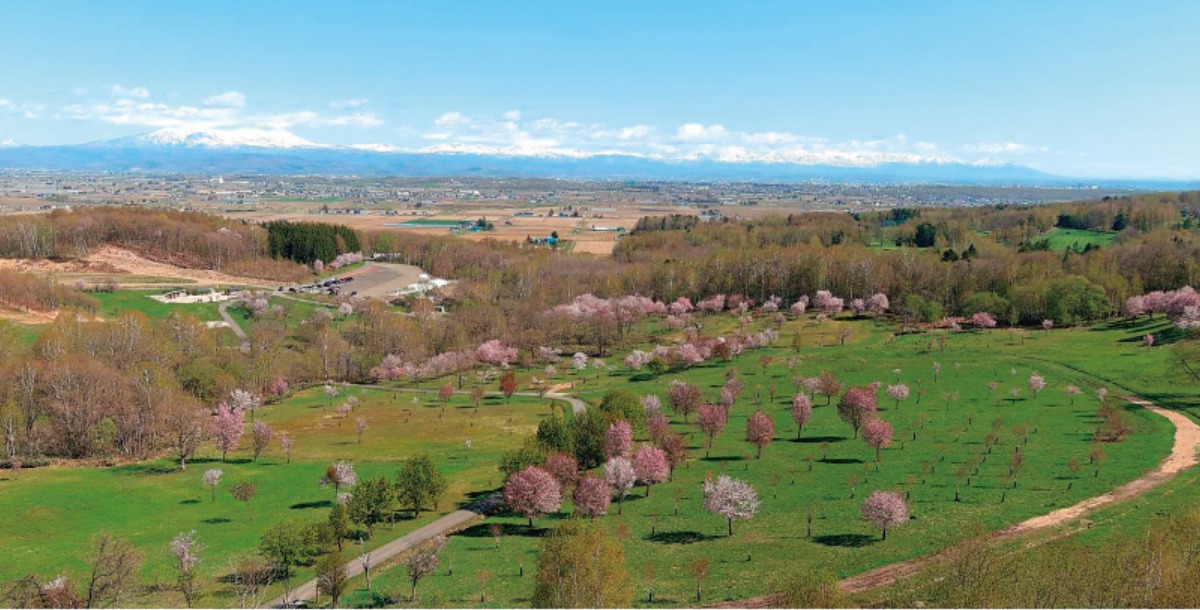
x=449, y=523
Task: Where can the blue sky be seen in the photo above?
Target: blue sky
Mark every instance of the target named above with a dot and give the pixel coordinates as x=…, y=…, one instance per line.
x=1097, y=89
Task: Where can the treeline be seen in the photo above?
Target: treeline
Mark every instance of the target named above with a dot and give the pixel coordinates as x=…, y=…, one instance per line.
x=186, y=239
x=671, y=222
x=40, y=293
x=305, y=242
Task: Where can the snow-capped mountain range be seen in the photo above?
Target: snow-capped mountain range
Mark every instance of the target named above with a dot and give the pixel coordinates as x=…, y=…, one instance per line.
x=278, y=151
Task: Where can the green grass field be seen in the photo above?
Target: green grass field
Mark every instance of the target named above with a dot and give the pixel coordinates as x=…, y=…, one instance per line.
x=659, y=540
x=113, y=304
x=666, y=531
x=52, y=513
x=1061, y=239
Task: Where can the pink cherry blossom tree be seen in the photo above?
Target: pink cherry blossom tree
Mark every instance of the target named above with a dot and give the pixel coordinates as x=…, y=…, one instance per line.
x=658, y=426
x=857, y=406
x=801, y=412
x=592, y=496
x=730, y=498
x=885, y=510
x=684, y=398
x=533, y=492
x=637, y=359
x=618, y=440
x=1037, y=383
x=1148, y=341
x=878, y=434
x=652, y=404
x=262, y=433
x=650, y=466
x=619, y=474
x=495, y=352
x=897, y=392
x=800, y=306
x=339, y=475
x=1072, y=391
x=982, y=319
x=564, y=467
x=228, y=427
x=712, y=420
x=760, y=430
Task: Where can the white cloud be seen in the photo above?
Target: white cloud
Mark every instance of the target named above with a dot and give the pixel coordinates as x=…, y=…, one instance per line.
x=633, y=133
x=138, y=93
x=1011, y=148
x=694, y=132
x=512, y=115
x=451, y=119
x=349, y=104
x=229, y=99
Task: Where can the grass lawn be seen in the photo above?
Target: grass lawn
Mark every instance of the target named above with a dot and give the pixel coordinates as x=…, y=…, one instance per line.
x=113, y=304
x=1061, y=239
x=52, y=513
x=659, y=540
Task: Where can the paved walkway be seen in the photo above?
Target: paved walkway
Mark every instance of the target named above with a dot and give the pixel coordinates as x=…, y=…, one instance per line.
x=223, y=309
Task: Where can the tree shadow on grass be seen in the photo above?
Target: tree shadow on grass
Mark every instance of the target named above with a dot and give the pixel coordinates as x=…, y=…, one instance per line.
x=840, y=461
x=846, y=540
x=307, y=505
x=819, y=439
x=216, y=520
x=684, y=537
x=190, y=501
x=145, y=469
x=722, y=458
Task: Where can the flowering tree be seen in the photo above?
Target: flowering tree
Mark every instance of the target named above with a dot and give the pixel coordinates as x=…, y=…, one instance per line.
x=657, y=426
x=1148, y=341
x=676, y=448
x=857, y=406
x=730, y=498
x=287, y=442
x=619, y=474
x=801, y=412
x=712, y=420
x=564, y=467
x=508, y=385
x=339, y=475
x=684, y=398
x=878, y=434
x=650, y=466
x=760, y=430
x=637, y=359
x=897, y=392
x=618, y=440
x=651, y=404
x=533, y=492
x=579, y=361
x=228, y=427
x=495, y=352
x=800, y=306
x=712, y=304
x=1036, y=384
x=1072, y=391
x=446, y=392
x=360, y=426
x=885, y=509
x=185, y=551
x=212, y=478
x=262, y=433
x=827, y=303
x=592, y=496
x=421, y=561
x=982, y=319
x=827, y=385
x=878, y=304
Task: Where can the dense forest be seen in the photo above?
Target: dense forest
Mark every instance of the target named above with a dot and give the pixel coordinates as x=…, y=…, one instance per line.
x=305, y=242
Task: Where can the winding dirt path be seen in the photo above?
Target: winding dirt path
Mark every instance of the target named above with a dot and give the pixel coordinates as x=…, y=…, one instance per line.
x=1182, y=457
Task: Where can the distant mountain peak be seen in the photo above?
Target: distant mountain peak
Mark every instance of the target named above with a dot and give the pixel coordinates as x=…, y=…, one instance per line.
x=247, y=137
